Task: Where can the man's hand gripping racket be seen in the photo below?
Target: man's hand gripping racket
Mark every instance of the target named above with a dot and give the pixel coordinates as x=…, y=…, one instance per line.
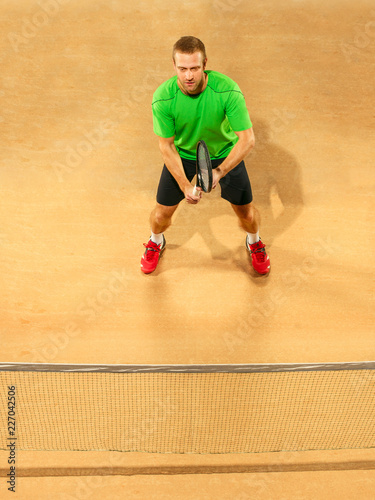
x=204, y=169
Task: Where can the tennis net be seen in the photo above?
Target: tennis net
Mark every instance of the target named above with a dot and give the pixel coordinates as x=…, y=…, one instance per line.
x=188, y=408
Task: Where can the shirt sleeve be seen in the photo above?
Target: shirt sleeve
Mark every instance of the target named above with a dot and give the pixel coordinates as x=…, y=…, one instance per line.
x=164, y=125
x=237, y=112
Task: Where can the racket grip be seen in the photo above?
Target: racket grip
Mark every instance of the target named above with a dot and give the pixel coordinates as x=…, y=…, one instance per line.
x=195, y=191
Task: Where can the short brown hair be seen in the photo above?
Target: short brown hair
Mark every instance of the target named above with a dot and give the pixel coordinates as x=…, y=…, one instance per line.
x=189, y=45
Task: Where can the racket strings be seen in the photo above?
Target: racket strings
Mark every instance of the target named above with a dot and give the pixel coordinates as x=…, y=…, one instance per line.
x=204, y=169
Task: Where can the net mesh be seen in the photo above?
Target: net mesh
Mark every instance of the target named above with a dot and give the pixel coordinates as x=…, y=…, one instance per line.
x=191, y=412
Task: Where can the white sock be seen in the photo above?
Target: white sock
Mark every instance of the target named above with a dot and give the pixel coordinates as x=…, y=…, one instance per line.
x=157, y=238
x=253, y=237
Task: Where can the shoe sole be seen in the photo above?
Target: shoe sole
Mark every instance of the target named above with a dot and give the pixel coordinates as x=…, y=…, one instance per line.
x=262, y=273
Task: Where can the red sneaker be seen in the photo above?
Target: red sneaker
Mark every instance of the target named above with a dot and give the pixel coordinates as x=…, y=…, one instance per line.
x=259, y=258
x=151, y=256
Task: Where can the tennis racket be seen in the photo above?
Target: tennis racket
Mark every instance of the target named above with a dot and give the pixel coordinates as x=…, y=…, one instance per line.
x=204, y=169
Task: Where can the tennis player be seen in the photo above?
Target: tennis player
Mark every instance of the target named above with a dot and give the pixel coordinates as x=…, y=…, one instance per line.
x=202, y=104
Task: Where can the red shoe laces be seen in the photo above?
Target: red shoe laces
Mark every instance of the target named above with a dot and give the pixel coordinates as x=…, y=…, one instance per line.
x=148, y=255
x=261, y=255
x=260, y=251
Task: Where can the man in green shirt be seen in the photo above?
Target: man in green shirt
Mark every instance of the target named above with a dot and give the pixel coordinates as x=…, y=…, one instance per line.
x=193, y=105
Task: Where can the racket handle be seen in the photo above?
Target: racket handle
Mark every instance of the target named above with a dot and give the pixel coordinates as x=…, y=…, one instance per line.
x=195, y=191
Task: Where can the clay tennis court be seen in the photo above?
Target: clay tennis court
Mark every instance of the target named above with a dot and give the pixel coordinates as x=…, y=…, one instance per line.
x=79, y=171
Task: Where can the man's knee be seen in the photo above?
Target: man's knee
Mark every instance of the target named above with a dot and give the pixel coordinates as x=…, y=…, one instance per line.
x=162, y=213
x=245, y=212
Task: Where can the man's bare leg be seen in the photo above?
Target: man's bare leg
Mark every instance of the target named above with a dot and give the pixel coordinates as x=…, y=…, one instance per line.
x=160, y=220
x=248, y=217
x=249, y=220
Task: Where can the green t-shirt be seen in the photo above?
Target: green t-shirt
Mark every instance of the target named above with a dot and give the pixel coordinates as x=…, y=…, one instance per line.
x=212, y=116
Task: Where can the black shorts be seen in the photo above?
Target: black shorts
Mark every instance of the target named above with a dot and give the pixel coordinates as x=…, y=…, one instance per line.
x=235, y=186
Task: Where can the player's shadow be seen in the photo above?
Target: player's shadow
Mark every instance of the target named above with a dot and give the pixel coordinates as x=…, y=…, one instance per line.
x=277, y=191
x=276, y=182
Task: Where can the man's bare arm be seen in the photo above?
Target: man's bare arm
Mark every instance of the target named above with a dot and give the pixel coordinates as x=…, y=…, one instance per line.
x=242, y=148
x=173, y=163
